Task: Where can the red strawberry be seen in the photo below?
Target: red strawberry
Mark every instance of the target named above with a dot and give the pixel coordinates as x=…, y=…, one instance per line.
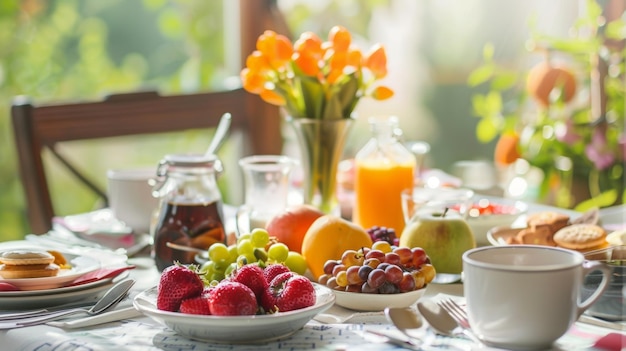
x=177, y=283
x=232, y=299
x=251, y=275
x=195, y=305
x=274, y=269
x=291, y=292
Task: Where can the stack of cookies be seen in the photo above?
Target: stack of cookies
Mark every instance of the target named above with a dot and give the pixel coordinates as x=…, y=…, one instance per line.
x=19, y=264
x=555, y=229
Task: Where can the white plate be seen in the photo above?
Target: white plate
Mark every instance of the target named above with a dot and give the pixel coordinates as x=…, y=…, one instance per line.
x=60, y=290
x=376, y=302
x=73, y=294
x=80, y=265
x=235, y=329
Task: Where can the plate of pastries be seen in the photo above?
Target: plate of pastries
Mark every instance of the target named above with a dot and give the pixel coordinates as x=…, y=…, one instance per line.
x=560, y=229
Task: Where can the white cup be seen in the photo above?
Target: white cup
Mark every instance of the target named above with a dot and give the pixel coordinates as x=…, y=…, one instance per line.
x=130, y=197
x=526, y=296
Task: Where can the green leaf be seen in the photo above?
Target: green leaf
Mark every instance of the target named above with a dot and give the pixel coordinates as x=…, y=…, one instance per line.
x=479, y=104
x=604, y=199
x=616, y=29
x=480, y=75
x=486, y=131
x=347, y=94
x=493, y=102
x=313, y=97
x=504, y=81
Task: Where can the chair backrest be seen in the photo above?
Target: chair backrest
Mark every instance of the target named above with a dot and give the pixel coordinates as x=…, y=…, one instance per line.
x=40, y=127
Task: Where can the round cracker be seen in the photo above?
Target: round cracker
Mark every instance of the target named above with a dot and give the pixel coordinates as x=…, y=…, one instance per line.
x=26, y=257
x=580, y=236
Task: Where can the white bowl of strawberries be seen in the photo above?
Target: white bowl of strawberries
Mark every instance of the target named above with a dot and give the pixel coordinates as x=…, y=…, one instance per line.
x=249, y=306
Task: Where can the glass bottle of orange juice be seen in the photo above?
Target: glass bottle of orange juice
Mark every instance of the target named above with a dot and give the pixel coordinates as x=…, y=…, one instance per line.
x=383, y=168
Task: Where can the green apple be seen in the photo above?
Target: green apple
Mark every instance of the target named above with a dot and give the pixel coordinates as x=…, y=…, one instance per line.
x=445, y=236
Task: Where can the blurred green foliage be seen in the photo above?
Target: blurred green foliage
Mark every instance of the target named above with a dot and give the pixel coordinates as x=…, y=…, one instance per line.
x=558, y=139
x=60, y=50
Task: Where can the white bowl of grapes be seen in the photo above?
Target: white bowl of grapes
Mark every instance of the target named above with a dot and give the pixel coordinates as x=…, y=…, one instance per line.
x=371, y=279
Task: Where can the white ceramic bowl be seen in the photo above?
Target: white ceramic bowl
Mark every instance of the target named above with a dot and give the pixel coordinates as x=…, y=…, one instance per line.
x=235, y=329
x=376, y=302
x=481, y=223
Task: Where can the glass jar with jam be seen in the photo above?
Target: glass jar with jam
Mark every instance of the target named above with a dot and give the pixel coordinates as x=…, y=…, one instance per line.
x=190, y=209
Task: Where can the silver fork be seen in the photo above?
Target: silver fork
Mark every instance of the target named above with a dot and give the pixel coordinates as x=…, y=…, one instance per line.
x=460, y=317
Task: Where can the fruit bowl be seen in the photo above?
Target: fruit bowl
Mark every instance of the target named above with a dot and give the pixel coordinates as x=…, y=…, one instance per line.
x=234, y=329
x=487, y=213
x=376, y=302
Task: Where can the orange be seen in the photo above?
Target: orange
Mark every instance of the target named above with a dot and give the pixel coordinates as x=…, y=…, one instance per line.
x=290, y=225
x=327, y=239
x=507, y=149
x=545, y=77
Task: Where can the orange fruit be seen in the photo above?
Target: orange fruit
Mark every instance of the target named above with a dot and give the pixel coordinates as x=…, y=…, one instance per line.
x=327, y=239
x=545, y=77
x=290, y=225
x=507, y=149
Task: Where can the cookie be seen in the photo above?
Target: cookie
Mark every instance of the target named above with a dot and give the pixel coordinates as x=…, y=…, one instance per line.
x=541, y=235
x=19, y=271
x=18, y=264
x=26, y=257
x=581, y=237
x=554, y=220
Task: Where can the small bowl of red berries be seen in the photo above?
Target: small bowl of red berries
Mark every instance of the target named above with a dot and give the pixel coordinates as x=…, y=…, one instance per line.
x=486, y=213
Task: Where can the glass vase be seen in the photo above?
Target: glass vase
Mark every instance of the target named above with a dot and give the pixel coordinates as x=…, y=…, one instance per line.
x=321, y=144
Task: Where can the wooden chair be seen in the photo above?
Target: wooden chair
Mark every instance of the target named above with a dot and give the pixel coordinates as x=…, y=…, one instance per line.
x=39, y=127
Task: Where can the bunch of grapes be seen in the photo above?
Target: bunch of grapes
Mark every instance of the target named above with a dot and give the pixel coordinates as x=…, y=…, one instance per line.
x=256, y=246
x=382, y=269
x=377, y=233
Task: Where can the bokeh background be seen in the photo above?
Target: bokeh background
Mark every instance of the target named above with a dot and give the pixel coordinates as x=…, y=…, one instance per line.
x=61, y=50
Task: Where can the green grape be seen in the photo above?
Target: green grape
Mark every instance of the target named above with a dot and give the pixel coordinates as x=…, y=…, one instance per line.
x=245, y=247
x=278, y=252
x=244, y=236
x=259, y=237
x=218, y=252
x=231, y=267
x=232, y=253
x=207, y=268
x=296, y=262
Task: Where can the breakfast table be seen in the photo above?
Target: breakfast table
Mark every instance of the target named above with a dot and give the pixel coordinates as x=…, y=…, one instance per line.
x=337, y=328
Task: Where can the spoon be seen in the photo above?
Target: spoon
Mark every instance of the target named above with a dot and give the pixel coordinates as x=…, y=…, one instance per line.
x=438, y=319
x=109, y=299
x=220, y=133
x=405, y=320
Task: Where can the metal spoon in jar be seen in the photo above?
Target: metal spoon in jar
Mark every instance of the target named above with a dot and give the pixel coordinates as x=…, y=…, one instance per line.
x=220, y=133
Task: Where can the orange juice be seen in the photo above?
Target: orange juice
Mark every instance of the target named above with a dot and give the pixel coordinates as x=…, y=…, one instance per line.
x=378, y=185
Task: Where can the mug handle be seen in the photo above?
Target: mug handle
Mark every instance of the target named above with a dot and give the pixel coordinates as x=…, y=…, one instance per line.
x=588, y=267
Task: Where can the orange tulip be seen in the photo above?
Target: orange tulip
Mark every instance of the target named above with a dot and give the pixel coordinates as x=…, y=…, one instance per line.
x=272, y=97
x=333, y=76
x=252, y=81
x=340, y=38
x=309, y=43
x=507, y=149
x=256, y=61
x=376, y=61
x=276, y=48
x=307, y=63
x=337, y=60
x=382, y=93
x=354, y=57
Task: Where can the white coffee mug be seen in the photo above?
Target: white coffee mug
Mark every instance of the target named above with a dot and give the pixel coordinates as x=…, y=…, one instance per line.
x=526, y=296
x=130, y=197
